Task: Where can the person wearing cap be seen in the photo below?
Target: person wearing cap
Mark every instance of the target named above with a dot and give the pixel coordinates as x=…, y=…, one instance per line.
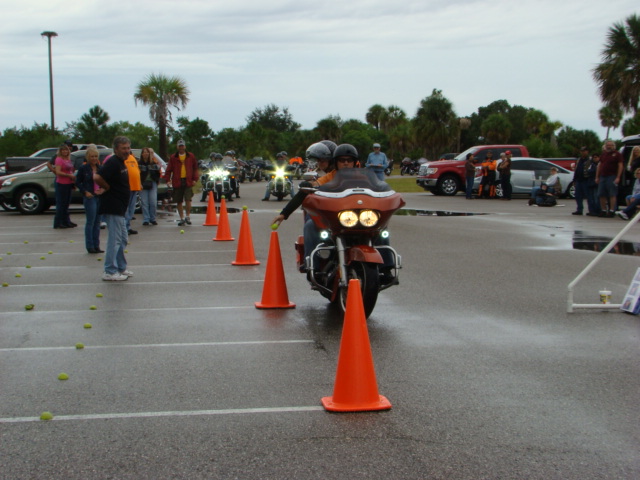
x=608, y=177
x=581, y=176
x=182, y=171
x=377, y=161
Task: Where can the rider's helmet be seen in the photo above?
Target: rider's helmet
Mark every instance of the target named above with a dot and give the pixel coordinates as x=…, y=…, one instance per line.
x=213, y=155
x=318, y=151
x=346, y=150
x=230, y=153
x=280, y=155
x=331, y=145
x=218, y=156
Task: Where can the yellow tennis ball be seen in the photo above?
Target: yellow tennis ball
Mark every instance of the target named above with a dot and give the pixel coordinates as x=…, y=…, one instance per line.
x=87, y=325
x=93, y=307
x=181, y=231
x=26, y=241
x=274, y=226
x=28, y=266
x=30, y=306
x=42, y=258
x=71, y=241
x=5, y=284
x=46, y=416
x=18, y=275
x=50, y=252
x=99, y=295
x=244, y=207
x=79, y=346
x=63, y=376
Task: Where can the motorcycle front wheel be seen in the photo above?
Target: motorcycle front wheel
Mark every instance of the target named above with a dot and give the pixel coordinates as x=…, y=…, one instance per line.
x=367, y=273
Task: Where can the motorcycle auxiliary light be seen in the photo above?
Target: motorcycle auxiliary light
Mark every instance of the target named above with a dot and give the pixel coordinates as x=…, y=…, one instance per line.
x=350, y=218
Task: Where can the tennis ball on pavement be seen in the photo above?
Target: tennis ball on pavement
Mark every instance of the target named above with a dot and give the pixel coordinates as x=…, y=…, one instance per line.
x=28, y=266
x=87, y=325
x=181, y=231
x=99, y=295
x=126, y=251
x=42, y=258
x=71, y=241
x=93, y=307
x=79, y=346
x=30, y=306
x=5, y=284
x=18, y=275
x=26, y=241
x=8, y=253
x=46, y=416
x=63, y=376
x=99, y=259
x=50, y=252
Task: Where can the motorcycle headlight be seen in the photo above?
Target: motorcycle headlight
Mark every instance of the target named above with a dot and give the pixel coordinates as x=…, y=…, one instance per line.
x=348, y=218
x=368, y=218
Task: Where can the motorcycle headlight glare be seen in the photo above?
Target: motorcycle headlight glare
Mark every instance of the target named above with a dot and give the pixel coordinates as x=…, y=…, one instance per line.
x=348, y=218
x=324, y=235
x=369, y=218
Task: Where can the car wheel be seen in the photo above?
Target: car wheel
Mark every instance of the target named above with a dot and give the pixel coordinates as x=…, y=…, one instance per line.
x=7, y=207
x=571, y=191
x=31, y=201
x=499, y=192
x=448, y=185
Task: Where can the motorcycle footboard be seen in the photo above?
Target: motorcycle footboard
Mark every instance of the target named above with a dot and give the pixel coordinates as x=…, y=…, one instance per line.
x=392, y=265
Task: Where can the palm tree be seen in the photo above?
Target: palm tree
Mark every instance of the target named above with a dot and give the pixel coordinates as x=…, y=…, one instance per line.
x=618, y=76
x=392, y=117
x=610, y=117
x=436, y=124
x=160, y=93
x=374, y=115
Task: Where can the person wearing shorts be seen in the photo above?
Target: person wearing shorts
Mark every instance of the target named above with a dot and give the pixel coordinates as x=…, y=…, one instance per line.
x=182, y=172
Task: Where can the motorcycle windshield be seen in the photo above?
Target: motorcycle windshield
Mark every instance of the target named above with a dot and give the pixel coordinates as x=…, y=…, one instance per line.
x=348, y=178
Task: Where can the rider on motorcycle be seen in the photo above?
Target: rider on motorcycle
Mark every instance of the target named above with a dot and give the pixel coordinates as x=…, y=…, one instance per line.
x=281, y=162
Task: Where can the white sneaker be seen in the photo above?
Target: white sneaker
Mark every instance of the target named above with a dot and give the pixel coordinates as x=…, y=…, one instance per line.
x=128, y=273
x=103, y=225
x=114, y=277
x=622, y=215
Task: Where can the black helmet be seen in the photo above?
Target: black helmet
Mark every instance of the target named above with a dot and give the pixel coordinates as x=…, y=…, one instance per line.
x=230, y=153
x=218, y=156
x=331, y=145
x=213, y=155
x=346, y=150
x=281, y=154
x=318, y=151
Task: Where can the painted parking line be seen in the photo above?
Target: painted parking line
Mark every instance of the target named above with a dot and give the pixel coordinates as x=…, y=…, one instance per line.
x=191, y=413
x=160, y=345
x=134, y=282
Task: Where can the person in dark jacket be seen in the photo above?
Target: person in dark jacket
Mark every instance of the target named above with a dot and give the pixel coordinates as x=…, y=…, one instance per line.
x=150, y=177
x=90, y=191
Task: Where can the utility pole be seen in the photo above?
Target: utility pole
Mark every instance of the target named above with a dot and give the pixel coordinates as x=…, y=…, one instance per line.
x=49, y=35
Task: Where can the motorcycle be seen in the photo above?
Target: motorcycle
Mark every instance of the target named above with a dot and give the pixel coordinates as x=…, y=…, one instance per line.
x=409, y=167
x=389, y=169
x=298, y=169
x=352, y=212
x=280, y=183
x=255, y=169
x=217, y=180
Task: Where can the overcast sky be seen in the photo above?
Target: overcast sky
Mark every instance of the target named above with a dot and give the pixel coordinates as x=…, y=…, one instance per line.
x=318, y=58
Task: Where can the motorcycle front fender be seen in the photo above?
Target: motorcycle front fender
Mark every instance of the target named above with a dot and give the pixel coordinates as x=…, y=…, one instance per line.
x=363, y=253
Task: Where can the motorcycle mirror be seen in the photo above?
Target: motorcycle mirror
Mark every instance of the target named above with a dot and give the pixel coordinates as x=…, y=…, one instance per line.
x=310, y=176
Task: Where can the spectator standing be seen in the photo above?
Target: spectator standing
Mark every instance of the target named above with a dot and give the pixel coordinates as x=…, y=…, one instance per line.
x=608, y=177
x=505, y=175
x=64, y=184
x=113, y=178
x=90, y=192
x=592, y=187
x=135, y=185
x=470, y=174
x=150, y=177
x=182, y=172
x=377, y=161
x=581, y=181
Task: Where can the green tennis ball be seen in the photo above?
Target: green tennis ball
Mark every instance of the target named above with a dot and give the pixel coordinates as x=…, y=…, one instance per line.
x=5, y=284
x=18, y=275
x=87, y=325
x=50, y=252
x=28, y=266
x=71, y=241
x=274, y=226
x=8, y=253
x=46, y=416
x=93, y=307
x=30, y=306
x=126, y=251
x=79, y=346
x=42, y=258
x=26, y=241
x=63, y=376
x=181, y=231
x=99, y=259
x=99, y=295
x=244, y=207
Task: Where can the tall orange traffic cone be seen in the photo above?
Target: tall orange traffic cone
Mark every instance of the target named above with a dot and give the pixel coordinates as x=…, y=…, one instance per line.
x=245, y=254
x=355, y=389
x=224, y=232
x=211, y=220
x=274, y=292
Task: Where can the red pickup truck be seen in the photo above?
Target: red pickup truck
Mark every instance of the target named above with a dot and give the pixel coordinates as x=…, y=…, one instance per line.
x=447, y=177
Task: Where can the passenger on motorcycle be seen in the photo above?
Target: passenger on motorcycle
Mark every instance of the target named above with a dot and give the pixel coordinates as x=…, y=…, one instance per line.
x=281, y=163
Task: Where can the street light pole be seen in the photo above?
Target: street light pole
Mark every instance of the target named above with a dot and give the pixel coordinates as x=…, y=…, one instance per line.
x=49, y=35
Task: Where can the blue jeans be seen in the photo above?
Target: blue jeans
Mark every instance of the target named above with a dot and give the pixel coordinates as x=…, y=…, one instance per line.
x=131, y=209
x=63, y=199
x=582, y=194
x=634, y=202
x=114, y=260
x=378, y=170
x=92, y=227
x=149, y=199
x=469, y=189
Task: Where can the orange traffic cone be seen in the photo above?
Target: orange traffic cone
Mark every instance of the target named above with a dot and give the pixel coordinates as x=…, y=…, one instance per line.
x=211, y=220
x=245, y=254
x=355, y=389
x=274, y=292
x=224, y=232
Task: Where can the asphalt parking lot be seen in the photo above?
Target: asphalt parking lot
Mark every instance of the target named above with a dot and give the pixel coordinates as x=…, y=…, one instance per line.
x=182, y=377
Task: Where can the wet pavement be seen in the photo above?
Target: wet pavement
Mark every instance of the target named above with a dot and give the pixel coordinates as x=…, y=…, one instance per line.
x=182, y=377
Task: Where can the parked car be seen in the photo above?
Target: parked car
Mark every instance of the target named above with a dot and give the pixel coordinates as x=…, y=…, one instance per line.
x=527, y=172
x=447, y=177
x=22, y=164
x=33, y=192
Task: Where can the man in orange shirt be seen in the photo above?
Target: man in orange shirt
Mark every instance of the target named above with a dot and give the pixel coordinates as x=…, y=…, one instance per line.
x=135, y=185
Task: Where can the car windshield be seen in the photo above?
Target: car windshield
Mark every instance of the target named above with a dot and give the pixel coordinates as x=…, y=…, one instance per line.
x=354, y=178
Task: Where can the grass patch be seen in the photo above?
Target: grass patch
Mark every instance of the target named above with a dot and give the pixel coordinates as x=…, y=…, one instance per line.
x=404, y=185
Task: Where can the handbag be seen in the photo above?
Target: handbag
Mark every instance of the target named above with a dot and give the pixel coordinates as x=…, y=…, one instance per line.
x=147, y=185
